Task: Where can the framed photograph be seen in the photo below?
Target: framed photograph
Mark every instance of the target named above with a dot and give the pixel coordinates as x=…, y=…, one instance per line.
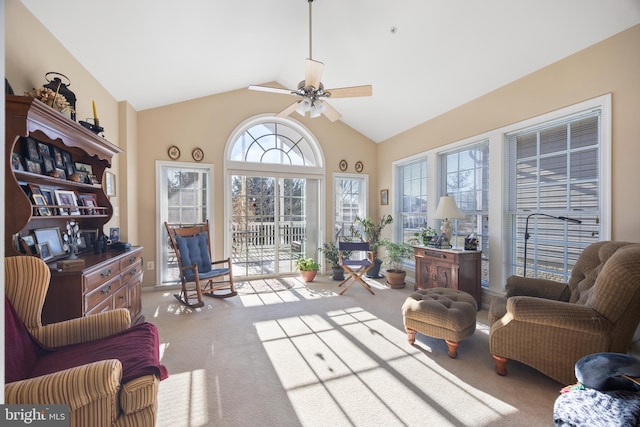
x=114, y=234
x=90, y=237
x=69, y=167
x=109, y=184
x=48, y=165
x=52, y=237
x=57, y=157
x=67, y=198
x=48, y=195
x=82, y=244
x=44, y=150
x=384, y=197
x=16, y=162
x=33, y=167
x=83, y=167
x=28, y=243
x=60, y=174
x=93, y=179
x=88, y=200
x=34, y=189
x=31, y=149
x=83, y=177
x=40, y=200
x=44, y=251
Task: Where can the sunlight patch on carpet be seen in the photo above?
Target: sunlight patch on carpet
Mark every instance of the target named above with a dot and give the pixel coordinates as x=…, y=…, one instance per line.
x=360, y=370
x=174, y=409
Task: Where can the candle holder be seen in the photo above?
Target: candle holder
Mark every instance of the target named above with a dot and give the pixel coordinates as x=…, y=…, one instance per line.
x=93, y=127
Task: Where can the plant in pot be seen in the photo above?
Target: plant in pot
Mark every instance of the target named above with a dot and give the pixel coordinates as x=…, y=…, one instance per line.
x=424, y=236
x=372, y=231
x=396, y=252
x=308, y=268
x=331, y=253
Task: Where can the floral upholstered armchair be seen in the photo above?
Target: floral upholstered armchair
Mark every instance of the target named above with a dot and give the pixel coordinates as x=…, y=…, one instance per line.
x=550, y=325
x=107, y=371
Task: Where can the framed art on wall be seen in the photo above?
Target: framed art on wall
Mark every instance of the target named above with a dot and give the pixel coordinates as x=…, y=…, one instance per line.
x=109, y=184
x=384, y=197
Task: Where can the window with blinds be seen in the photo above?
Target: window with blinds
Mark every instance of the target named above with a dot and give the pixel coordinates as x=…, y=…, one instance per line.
x=554, y=172
x=466, y=178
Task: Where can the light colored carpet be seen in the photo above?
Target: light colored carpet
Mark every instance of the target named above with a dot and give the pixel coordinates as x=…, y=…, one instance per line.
x=286, y=353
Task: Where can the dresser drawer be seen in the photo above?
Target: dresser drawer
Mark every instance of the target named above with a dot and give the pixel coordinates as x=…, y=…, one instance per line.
x=130, y=259
x=131, y=271
x=104, y=274
x=106, y=305
x=120, y=298
x=98, y=295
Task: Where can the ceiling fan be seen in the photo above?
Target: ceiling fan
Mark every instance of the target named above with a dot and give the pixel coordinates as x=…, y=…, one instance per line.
x=312, y=91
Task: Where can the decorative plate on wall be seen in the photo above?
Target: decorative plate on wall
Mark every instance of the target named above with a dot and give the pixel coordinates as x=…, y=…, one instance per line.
x=173, y=152
x=197, y=154
x=359, y=167
x=343, y=165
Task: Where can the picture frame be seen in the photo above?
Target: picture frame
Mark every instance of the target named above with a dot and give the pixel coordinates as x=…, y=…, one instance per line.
x=93, y=179
x=28, y=244
x=57, y=157
x=44, y=150
x=33, y=167
x=114, y=234
x=40, y=200
x=44, y=251
x=67, y=198
x=88, y=200
x=34, y=189
x=16, y=162
x=109, y=184
x=384, y=197
x=83, y=176
x=68, y=163
x=82, y=244
x=83, y=167
x=52, y=237
x=48, y=195
x=60, y=174
x=48, y=165
x=31, y=150
x=90, y=237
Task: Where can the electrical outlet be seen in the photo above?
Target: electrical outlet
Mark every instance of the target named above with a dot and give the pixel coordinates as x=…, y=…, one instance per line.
x=151, y=265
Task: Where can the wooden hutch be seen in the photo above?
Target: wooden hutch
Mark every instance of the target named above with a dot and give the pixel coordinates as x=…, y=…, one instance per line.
x=106, y=280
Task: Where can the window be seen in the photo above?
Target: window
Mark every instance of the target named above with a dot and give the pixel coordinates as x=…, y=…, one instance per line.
x=412, y=180
x=554, y=174
x=466, y=178
x=350, y=192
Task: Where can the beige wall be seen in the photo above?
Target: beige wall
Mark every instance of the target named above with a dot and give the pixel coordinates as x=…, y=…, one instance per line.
x=612, y=66
x=207, y=123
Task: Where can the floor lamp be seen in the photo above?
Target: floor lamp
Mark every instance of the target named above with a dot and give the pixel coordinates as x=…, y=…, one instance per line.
x=527, y=235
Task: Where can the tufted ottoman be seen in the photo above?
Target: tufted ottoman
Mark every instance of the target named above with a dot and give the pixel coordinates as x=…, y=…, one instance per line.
x=440, y=313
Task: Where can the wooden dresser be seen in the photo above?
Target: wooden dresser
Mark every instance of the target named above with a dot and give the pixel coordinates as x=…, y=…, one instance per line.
x=108, y=280
x=446, y=268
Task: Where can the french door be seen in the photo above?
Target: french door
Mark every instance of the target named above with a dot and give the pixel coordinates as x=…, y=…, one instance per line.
x=274, y=221
x=184, y=198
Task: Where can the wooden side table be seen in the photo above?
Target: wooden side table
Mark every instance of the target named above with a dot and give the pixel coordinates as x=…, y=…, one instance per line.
x=448, y=268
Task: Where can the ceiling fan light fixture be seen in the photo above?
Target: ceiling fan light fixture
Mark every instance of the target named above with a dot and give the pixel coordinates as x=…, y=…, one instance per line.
x=303, y=107
x=317, y=108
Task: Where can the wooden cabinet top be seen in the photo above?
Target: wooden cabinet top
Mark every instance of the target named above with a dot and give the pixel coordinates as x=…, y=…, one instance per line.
x=420, y=249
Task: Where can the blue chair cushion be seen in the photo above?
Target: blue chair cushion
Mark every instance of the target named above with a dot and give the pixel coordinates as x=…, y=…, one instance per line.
x=194, y=250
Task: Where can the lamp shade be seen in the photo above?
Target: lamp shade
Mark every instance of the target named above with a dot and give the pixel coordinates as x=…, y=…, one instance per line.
x=447, y=209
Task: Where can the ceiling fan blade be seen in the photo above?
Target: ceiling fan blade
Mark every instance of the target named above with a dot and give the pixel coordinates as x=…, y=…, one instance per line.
x=313, y=73
x=349, y=92
x=290, y=109
x=331, y=113
x=272, y=89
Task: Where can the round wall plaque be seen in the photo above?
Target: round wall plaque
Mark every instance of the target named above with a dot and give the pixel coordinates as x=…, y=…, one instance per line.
x=359, y=167
x=174, y=152
x=197, y=154
x=343, y=165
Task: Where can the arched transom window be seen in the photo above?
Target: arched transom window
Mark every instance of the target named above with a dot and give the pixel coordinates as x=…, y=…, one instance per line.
x=275, y=142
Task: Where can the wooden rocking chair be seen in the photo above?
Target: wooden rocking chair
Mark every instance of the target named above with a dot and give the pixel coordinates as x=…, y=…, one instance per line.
x=197, y=273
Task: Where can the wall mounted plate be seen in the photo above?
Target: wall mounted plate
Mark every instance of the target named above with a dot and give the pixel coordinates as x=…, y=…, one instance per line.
x=197, y=154
x=359, y=167
x=343, y=165
x=173, y=152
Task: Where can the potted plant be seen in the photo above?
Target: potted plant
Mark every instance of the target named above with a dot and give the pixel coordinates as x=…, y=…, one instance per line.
x=372, y=231
x=308, y=268
x=396, y=252
x=425, y=235
x=330, y=251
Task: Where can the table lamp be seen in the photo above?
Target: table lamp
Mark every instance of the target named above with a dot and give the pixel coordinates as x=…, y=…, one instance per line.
x=447, y=209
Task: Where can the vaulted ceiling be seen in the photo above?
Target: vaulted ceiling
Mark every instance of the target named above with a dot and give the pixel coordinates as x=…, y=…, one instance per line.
x=423, y=57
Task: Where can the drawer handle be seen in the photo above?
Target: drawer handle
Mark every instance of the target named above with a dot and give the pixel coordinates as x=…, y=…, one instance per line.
x=106, y=291
x=105, y=274
x=433, y=254
x=132, y=260
x=121, y=297
x=433, y=277
x=133, y=272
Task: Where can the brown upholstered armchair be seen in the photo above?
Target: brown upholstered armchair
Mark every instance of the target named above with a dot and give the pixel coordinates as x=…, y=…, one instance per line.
x=98, y=393
x=549, y=325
